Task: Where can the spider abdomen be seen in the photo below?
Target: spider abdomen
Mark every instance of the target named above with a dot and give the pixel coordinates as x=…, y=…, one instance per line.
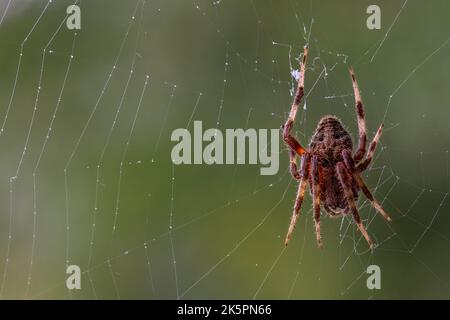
x=329, y=140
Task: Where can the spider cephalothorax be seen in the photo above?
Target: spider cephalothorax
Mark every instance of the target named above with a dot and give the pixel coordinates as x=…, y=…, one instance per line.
x=329, y=165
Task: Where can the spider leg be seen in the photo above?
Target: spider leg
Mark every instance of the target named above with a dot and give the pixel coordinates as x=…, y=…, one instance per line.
x=293, y=165
x=361, y=121
x=364, y=164
x=316, y=198
x=351, y=167
x=345, y=180
x=304, y=173
x=290, y=140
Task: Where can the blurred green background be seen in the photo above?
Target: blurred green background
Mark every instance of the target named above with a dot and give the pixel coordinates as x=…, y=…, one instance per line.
x=228, y=222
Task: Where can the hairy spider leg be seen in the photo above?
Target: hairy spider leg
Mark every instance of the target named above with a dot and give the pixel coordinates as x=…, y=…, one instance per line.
x=361, y=121
x=316, y=198
x=293, y=165
x=289, y=139
x=345, y=180
x=351, y=167
x=304, y=174
x=365, y=163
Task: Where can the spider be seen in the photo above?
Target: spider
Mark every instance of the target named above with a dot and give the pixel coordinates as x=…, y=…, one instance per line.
x=329, y=166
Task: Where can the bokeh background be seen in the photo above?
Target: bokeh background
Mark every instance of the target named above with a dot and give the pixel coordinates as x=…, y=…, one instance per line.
x=103, y=194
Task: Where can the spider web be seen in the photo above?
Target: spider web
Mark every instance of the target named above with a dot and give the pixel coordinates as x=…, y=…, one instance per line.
x=86, y=176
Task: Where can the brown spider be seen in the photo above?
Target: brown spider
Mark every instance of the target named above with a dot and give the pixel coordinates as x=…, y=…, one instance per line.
x=328, y=165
